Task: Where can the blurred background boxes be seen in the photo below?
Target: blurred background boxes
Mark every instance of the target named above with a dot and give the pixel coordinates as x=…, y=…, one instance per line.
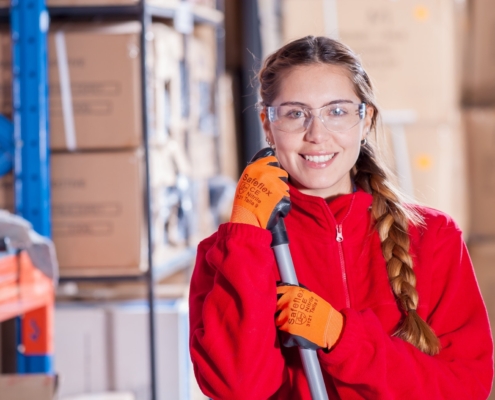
x=480, y=127
x=104, y=346
x=408, y=47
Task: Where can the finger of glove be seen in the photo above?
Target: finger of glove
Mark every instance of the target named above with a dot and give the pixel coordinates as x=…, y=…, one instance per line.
x=290, y=288
x=265, y=161
x=273, y=178
x=267, y=164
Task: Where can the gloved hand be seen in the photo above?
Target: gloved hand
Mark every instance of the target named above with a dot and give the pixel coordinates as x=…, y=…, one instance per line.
x=262, y=194
x=310, y=321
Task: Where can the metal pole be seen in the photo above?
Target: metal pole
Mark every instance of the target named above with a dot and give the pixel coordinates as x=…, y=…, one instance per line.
x=309, y=359
x=145, y=19
x=251, y=55
x=29, y=23
x=29, y=27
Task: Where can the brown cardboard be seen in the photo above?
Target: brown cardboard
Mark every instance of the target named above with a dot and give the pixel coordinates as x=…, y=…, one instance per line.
x=104, y=73
x=480, y=126
x=30, y=386
x=479, y=78
x=7, y=192
x=97, y=210
x=407, y=47
x=438, y=166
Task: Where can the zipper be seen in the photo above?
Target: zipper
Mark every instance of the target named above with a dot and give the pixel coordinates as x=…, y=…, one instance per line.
x=340, y=238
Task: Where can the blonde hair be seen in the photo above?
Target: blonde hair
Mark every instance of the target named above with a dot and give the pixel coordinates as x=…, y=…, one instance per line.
x=391, y=217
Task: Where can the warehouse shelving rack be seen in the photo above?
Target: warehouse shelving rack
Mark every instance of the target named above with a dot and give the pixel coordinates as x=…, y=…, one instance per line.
x=144, y=13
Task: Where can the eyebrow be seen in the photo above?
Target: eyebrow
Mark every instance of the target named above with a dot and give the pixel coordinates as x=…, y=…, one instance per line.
x=298, y=103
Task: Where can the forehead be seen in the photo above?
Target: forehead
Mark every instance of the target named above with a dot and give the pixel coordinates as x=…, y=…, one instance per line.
x=316, y=84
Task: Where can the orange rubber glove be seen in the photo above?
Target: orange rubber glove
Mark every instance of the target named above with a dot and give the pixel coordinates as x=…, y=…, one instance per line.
x=311, y=322
x=262, y=194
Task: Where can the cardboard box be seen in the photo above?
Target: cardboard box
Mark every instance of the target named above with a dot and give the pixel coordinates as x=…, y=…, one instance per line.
x=98, y=212
x=81, y=349
x=479, y=79
x=102, y=108
x=31, y=386
x=105, y=110
x=94, y=105
x=430, y=160
x=480, y=127
x=129, y=361
x=408, y=47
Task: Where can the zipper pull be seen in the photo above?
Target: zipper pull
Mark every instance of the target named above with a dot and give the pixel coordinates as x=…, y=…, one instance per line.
x=339, y=237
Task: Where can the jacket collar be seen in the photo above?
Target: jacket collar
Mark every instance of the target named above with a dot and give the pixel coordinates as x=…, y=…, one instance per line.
x=348, y=209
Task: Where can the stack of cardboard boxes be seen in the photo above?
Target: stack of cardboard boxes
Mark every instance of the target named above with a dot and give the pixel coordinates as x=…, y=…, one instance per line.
x=97, y=160
x=412, y=52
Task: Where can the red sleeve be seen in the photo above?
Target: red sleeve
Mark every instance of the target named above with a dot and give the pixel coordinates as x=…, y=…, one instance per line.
x=233, y=339
x=369, y=363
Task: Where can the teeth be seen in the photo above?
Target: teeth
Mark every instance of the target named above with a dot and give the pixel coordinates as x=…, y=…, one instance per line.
x=319, y=159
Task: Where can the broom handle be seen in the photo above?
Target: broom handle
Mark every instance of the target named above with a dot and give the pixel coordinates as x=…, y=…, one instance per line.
x=280, y=245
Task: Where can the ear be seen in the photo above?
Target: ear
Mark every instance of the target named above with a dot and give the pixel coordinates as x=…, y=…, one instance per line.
x=265, y=123
x=368, y=119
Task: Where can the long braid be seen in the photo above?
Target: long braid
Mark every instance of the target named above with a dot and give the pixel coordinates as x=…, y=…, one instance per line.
x=392, y=220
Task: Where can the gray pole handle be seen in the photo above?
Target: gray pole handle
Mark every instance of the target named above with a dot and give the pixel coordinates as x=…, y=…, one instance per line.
x=309, y=358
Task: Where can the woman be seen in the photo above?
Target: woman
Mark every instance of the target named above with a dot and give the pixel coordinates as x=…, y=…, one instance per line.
x=394, y=306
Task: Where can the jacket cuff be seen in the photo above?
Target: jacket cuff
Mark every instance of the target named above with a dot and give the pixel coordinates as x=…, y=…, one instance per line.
x=245, y=232
x=348, y=343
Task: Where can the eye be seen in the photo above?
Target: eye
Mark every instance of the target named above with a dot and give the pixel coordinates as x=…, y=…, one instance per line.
x=295, y=114
x=337, y=111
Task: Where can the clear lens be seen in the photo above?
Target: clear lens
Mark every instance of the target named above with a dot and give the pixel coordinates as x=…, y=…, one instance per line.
x=338, y=117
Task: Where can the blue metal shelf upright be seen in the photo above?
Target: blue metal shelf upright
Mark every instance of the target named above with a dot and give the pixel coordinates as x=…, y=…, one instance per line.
x=29, y=26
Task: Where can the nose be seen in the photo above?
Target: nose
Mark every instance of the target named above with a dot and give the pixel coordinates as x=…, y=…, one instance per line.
x=316, y=132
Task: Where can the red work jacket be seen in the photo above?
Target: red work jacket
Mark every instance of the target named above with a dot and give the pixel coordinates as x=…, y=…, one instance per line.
x=233, y=339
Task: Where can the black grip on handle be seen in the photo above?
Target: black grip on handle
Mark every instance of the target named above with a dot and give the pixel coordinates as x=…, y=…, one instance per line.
x=279, y=234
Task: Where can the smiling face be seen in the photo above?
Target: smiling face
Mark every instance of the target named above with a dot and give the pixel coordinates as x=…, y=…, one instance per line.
x=318, y=161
